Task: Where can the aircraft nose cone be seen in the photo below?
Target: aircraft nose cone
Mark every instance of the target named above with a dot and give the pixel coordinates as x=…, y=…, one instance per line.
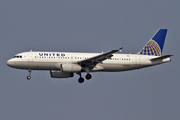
x=10, y=63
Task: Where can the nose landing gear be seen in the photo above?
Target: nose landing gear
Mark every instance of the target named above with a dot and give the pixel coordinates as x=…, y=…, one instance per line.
x=29, y=76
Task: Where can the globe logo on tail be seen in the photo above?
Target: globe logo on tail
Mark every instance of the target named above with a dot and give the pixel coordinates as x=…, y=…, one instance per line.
x=151, y=48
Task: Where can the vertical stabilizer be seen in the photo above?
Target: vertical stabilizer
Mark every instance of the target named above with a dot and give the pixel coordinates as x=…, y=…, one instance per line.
x=155, y=44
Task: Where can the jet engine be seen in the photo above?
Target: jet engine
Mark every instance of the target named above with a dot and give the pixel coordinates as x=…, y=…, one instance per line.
x=59, y=74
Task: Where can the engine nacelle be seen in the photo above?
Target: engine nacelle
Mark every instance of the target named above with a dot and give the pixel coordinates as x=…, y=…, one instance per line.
x=69, y=67
x=59, y=74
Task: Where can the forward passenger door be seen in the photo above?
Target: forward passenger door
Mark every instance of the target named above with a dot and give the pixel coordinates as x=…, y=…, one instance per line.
x=30, y=57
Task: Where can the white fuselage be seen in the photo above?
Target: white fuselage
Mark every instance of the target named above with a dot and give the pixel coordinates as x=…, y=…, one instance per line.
x=52, y=60
x=65, y=64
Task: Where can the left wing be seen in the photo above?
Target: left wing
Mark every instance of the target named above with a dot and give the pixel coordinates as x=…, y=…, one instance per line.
x=91, y=62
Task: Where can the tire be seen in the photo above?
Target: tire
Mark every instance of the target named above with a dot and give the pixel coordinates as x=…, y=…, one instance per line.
x=81, y=80
x=88, y=76
x=28, y=77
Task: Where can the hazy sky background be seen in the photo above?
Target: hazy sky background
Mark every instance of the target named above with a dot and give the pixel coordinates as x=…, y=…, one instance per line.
x=89, y=26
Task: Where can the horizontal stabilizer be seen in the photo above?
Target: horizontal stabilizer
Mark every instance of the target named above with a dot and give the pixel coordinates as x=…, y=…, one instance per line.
x=161, y=58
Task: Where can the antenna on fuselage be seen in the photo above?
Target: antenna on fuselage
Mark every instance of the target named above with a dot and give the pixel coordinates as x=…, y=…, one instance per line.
x=30, y=50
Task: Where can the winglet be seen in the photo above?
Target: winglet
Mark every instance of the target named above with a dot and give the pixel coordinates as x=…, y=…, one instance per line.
x=120, y=49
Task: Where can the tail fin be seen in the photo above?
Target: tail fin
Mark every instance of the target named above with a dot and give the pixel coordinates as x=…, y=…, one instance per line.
x=155, y=44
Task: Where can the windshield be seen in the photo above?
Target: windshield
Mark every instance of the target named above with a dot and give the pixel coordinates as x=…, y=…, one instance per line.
x=17, y=56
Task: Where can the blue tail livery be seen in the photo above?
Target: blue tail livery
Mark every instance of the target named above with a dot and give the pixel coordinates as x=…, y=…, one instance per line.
x=155, y=45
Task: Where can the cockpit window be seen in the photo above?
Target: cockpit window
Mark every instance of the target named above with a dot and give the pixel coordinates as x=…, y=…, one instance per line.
x=17, y=56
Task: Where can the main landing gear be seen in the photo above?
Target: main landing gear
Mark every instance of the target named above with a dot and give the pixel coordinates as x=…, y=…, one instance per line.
x=29, y=76
x=88, y=76
x=81, y=79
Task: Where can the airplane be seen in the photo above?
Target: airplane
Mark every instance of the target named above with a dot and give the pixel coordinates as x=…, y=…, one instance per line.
x=65, y=64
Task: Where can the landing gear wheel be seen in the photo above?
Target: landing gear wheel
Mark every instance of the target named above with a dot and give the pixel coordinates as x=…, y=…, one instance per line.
x=28, y=77
x=88, y=76
x=81, y=80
